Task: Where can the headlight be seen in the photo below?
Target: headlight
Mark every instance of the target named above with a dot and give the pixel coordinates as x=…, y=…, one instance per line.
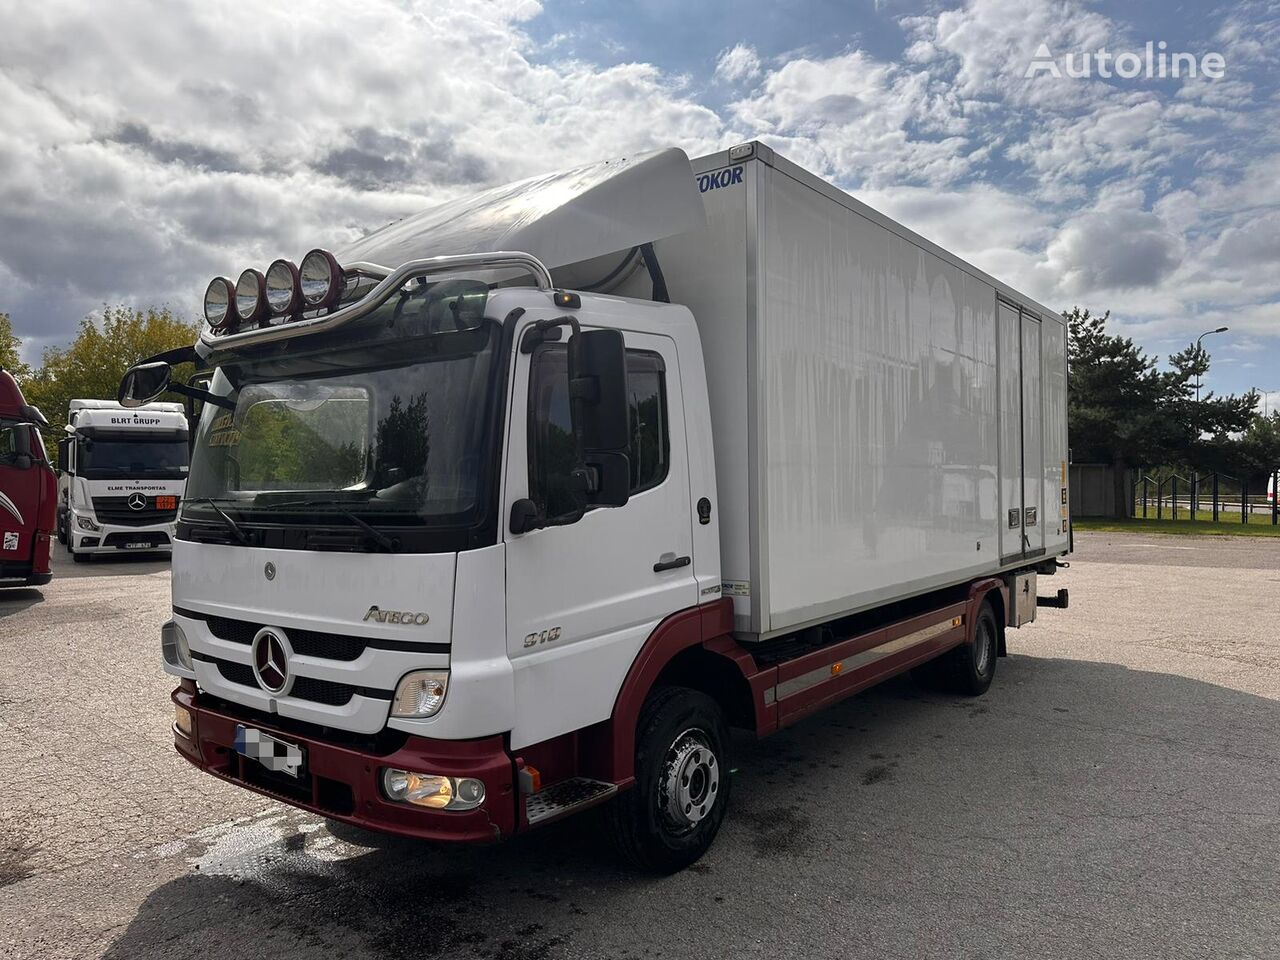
x=219, y=297
x=251, y=296
x=431, y=790
x=283, y=293
x=321, y=280
x=173, y=646
x=84, y=523
x=420, y=694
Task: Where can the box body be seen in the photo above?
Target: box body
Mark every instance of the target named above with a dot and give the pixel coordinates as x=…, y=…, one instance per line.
x=888, y=419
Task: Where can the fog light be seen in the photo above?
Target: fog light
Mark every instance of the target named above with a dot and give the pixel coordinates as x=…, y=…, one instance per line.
x=84, y=523
x=433, y=791
x=182, y=721
x=420, y=694
x=174, y=647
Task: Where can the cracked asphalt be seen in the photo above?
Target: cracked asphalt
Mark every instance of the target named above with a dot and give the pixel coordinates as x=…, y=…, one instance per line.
x=1114, y=795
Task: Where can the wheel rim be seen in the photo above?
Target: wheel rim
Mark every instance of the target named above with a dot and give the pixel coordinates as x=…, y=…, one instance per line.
x=982, y=648
x=690, y=781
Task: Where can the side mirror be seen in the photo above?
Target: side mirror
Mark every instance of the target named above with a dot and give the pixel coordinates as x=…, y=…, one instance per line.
x=598, y=399
x=64, y=456
x=144, y=383
x=23, y=461
x=524, y=516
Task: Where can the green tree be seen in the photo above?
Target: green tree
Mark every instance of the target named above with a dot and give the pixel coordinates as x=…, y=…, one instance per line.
x=92, y=365
x=1125, y=411
x=1260, y=449
x=9, y=344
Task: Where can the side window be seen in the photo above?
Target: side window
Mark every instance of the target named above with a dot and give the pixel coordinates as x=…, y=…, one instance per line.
x=551, y=453
x=647, y=397
x=8, y=445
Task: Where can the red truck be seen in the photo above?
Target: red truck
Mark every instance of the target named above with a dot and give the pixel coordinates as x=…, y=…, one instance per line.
x=28, y=491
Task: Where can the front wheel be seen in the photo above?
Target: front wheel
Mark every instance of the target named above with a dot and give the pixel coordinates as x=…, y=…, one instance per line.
x=669, y=819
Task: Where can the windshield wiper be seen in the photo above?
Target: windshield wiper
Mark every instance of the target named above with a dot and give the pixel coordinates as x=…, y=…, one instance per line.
x=390, y=544
x=236, y=530
x=387, y=543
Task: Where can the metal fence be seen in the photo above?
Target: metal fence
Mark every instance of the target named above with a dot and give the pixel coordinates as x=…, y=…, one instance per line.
x=1218, y=497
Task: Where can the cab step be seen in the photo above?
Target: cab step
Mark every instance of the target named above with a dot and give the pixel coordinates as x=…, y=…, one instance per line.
x=565, y=797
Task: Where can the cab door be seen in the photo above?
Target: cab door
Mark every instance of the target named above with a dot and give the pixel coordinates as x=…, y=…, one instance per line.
x=20, y=481
x=582, y=598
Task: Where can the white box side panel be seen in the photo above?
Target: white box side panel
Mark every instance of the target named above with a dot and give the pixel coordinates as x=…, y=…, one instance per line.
x=879, y=405
x=707, y=271
x=1054, y=381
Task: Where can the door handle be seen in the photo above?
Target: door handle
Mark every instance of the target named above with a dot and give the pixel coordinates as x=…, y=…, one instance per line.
x=669, y=562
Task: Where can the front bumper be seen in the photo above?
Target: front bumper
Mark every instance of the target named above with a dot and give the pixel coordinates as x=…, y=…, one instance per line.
x=344, y=783
x=110, y=538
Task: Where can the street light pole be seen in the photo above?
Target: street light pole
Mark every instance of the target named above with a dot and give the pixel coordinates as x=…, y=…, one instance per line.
x=1207, y=333
x=1195, y=477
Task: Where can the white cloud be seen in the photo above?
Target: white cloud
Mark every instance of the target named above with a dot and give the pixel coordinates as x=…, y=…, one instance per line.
x=737, y=64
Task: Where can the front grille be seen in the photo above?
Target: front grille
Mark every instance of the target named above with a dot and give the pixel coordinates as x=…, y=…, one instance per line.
x=116, y=510
x=305, y=643
x=382, y=744
x=310, y=689
x=308, y=643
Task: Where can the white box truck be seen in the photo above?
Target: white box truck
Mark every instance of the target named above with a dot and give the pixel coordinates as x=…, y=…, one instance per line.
x=121, y=474
x=518, y=505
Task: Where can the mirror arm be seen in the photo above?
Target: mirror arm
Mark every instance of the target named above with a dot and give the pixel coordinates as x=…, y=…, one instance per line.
x=178, y=355
x=195, y=393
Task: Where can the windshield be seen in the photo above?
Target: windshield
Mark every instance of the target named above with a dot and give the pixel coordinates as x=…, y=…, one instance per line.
x=109, y=457
x=388, y=424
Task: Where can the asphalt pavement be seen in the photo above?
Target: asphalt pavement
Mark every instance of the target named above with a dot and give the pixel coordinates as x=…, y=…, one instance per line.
x=1114, y=795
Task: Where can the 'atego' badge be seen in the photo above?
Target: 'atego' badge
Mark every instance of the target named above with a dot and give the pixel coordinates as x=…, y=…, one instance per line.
x=396, y=616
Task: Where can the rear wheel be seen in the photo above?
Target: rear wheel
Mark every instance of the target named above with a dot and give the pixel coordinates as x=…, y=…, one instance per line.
x=669, y=819
x=969, y=668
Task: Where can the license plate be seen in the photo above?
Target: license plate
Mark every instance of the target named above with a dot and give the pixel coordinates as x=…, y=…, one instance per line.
x=272, y=753
x=138, y=545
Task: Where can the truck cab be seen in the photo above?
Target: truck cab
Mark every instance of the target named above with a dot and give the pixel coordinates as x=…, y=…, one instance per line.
x=27, y=491
x=121, y=477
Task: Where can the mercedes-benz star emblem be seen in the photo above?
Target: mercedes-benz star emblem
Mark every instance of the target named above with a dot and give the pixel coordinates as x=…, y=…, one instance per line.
x=271, y=660
x=137, y=501
x=269, y=571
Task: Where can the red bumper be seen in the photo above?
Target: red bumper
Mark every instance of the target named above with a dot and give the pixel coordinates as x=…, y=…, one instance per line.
x=344, y=784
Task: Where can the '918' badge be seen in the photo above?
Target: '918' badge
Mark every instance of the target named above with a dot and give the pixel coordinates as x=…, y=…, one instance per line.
x=545, y=636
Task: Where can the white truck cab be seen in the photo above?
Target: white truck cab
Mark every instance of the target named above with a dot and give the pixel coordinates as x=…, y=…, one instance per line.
x=121, y=475
x=516, y=506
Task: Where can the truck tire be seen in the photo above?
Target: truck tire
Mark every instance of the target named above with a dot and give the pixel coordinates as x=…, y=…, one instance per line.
x=62, y=529
x=969, y=668
x=669, y=819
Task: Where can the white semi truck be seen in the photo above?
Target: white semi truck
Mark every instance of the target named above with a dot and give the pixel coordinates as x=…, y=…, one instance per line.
x=121, y=474
x=518, y=505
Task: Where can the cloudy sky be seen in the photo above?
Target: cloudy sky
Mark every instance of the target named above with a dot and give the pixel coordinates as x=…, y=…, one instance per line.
x=146, y=146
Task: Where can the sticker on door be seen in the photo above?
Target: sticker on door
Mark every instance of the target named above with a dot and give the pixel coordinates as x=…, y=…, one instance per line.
x=11, y=540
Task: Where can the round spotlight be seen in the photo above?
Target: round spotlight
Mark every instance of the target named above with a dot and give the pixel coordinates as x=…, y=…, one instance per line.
x=218, y=299
x=321, y=280
x=284, y=289
x=251, y=296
